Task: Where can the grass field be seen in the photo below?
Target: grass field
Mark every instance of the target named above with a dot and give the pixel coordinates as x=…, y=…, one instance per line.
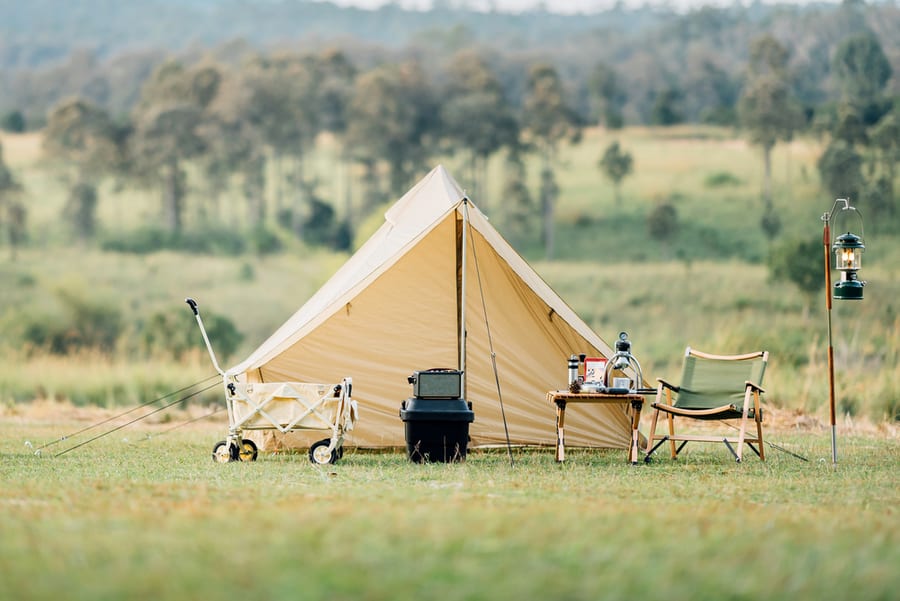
x=145, y=514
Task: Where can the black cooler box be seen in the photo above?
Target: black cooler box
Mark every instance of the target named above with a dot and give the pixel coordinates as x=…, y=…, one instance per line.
x=436, y=418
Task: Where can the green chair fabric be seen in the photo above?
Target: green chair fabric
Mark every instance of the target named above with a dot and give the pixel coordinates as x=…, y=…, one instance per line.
x=708, y=383
x=713, y=387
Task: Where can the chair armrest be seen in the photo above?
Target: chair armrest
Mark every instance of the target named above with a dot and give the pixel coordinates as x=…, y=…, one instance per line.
x=754, y=387
x=668, y=385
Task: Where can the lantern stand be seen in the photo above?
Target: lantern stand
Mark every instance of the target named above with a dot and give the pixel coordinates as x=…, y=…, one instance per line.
x=848, y=249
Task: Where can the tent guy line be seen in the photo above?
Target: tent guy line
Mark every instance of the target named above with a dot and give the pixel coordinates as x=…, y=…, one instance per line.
x=37, y=451
x=771, y=444
x=137, y=419
x=487, y=327
x=183, y=424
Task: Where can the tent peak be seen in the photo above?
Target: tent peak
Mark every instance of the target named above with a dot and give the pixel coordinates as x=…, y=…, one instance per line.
x=431, y=197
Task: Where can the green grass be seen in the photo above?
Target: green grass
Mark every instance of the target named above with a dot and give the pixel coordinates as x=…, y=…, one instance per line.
x=136, y=517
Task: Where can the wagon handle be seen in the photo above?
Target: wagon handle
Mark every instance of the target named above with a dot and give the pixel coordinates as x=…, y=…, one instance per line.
x=193, y=305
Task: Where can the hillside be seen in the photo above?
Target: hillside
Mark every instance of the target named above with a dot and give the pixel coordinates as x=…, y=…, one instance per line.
x=41, y=31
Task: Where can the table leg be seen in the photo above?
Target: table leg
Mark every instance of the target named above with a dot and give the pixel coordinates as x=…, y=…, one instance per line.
x=635, y=423
x=560, y=430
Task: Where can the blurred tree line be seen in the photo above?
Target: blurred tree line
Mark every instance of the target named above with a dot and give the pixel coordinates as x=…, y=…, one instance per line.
x=193, y=124
x=224, y=115
x=662, y=66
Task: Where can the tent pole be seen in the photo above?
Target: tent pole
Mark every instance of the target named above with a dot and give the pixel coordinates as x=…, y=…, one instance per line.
x=462, y=299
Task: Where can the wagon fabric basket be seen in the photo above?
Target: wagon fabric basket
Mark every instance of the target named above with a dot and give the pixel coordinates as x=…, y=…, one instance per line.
x=291, y=406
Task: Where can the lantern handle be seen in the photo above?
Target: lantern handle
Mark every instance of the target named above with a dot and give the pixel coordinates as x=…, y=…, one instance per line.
x=847, y=207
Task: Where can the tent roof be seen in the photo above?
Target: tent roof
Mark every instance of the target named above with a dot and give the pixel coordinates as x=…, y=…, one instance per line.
x=407, y=221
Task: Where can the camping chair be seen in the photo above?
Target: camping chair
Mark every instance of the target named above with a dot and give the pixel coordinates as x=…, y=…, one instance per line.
x=713, y=387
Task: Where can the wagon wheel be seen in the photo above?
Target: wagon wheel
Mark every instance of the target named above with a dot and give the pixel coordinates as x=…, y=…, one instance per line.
x=318, y=453
x=224, y=452
x=248, y=451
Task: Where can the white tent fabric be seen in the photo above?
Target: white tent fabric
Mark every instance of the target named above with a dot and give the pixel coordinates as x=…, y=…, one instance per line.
x=393, y=308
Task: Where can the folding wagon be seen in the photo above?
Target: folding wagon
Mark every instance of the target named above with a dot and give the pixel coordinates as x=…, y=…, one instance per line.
x=282, y=406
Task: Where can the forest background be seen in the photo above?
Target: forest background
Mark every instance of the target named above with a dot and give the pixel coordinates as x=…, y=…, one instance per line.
x=666, y=173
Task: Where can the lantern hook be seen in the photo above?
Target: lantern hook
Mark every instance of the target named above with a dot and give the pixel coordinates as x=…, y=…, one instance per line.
x=827, y=217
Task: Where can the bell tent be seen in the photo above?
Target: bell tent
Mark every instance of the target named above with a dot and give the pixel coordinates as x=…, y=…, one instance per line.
x=438, y=287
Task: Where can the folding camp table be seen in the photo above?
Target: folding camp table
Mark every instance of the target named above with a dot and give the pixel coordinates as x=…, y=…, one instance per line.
x=562, y=397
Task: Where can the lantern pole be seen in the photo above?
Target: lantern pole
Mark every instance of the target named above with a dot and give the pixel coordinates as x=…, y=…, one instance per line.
x=849, y=288
x=826, y=241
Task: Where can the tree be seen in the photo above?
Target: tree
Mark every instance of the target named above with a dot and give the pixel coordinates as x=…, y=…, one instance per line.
x=84, y=137
x=169, y=130
x=861, y=68
x=13, y=122
x=277, y=104
x=606, y=85
x=616, y=164
x=392, y=117
x=885, y=139
x=710, y=91
x=81, y=210
x=881, y=204
x=840, y=168
x=335, y=90
x=13, y=215
x=237, y=147
x=297, y=79
x=234, y=151
x=548, y=118
x=163, y=334
x=662, y=223
x=517, y=202
x=865, y=131
x=848, y=126
x=800, y=262
x=766, y=107
x=770, y=223
x=87, y=146
x=666, y=109
x=476, y=116
x=165, y=138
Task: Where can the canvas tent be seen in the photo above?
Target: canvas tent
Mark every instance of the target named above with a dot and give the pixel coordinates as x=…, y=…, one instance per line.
x=395, y=307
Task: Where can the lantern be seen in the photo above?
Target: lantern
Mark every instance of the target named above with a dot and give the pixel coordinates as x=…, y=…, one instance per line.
x=848, y=249
x=622, y=360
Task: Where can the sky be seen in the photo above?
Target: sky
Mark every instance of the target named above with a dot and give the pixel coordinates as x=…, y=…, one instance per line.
x=562, y=6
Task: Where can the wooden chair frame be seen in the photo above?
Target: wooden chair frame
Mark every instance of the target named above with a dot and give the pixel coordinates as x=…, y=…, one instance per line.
x=750, y=409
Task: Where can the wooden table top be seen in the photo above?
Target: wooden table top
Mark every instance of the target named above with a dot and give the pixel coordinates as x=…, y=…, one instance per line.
x=596, y=397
